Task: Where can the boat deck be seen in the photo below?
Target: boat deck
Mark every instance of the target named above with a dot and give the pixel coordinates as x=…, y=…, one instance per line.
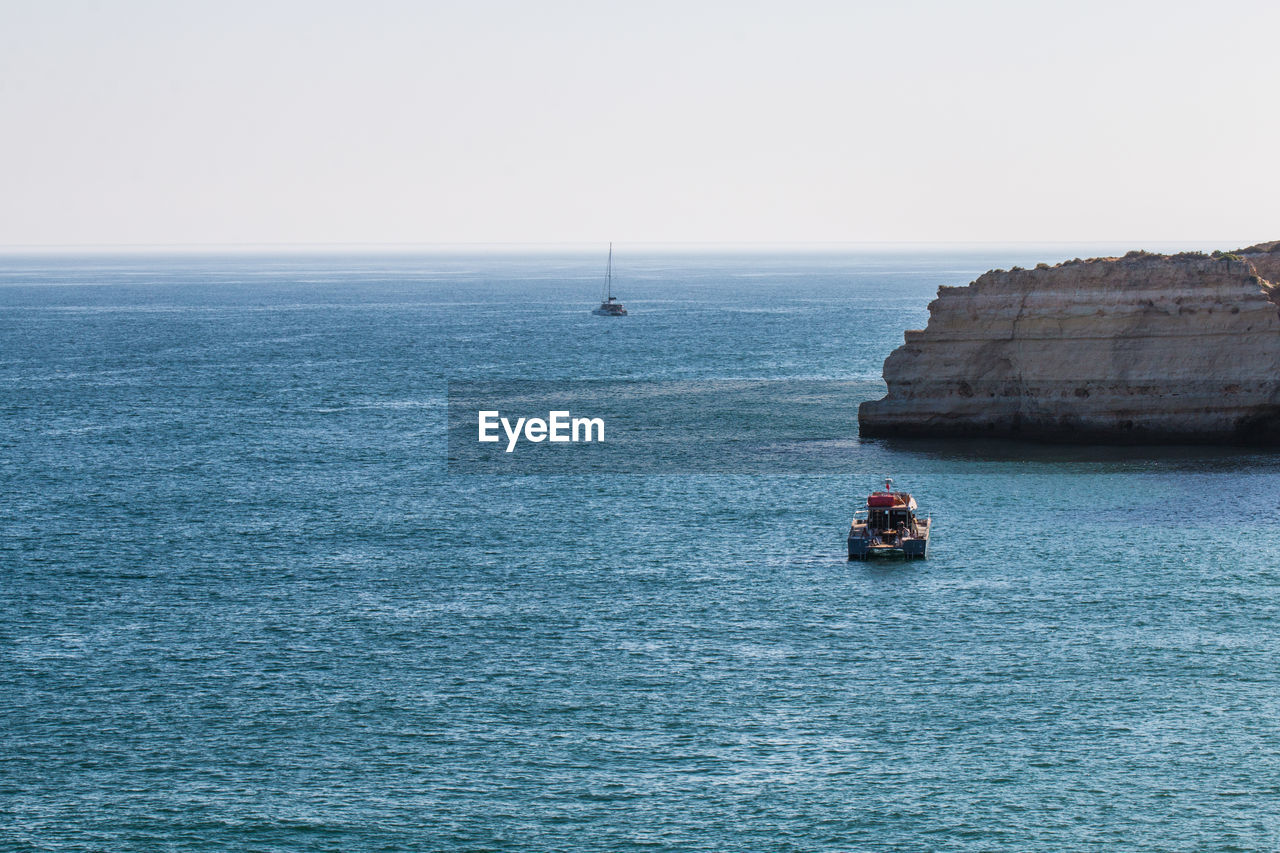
x=886, y=543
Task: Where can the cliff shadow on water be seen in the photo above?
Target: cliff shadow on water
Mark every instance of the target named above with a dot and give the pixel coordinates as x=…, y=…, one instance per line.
x=1118, y=457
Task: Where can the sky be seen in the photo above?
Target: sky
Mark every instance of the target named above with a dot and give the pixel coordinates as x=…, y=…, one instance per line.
x=157, y=122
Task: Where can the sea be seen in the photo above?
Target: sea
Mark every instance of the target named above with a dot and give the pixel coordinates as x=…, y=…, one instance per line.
x=250, y=600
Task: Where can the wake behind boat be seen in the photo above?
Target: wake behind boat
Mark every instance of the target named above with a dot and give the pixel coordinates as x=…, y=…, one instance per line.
x=610, y=307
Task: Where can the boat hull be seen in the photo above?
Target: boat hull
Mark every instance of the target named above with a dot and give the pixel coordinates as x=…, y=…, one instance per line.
x=909, y=549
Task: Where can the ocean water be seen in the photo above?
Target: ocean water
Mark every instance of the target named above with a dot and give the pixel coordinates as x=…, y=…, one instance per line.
x=245, y=603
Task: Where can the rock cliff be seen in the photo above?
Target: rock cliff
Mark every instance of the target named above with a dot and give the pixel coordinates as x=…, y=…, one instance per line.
x=1140, y=348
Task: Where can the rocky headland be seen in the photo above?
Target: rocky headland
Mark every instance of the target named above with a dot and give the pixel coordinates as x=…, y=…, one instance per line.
x=1139, y=348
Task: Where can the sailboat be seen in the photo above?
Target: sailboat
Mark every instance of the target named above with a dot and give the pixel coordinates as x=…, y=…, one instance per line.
x=611, y=307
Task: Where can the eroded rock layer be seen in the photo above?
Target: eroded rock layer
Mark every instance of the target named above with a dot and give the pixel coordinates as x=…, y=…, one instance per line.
x=1141, y=348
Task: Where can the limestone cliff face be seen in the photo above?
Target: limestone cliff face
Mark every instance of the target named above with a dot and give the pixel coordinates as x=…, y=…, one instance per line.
x=1140, y=348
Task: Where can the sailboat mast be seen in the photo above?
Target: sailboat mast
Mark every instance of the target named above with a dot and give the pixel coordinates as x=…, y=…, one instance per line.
x=608, y=275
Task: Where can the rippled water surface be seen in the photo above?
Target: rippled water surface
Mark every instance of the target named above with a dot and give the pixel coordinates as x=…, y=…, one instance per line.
x=245, y=606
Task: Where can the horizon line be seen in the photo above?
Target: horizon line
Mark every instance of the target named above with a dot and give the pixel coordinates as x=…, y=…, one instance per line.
x=588, y=245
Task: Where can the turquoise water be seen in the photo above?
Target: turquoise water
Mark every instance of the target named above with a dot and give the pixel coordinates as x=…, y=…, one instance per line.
x=246, y=606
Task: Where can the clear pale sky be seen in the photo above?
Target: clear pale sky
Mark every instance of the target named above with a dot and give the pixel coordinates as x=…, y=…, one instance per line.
x=389, y=121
